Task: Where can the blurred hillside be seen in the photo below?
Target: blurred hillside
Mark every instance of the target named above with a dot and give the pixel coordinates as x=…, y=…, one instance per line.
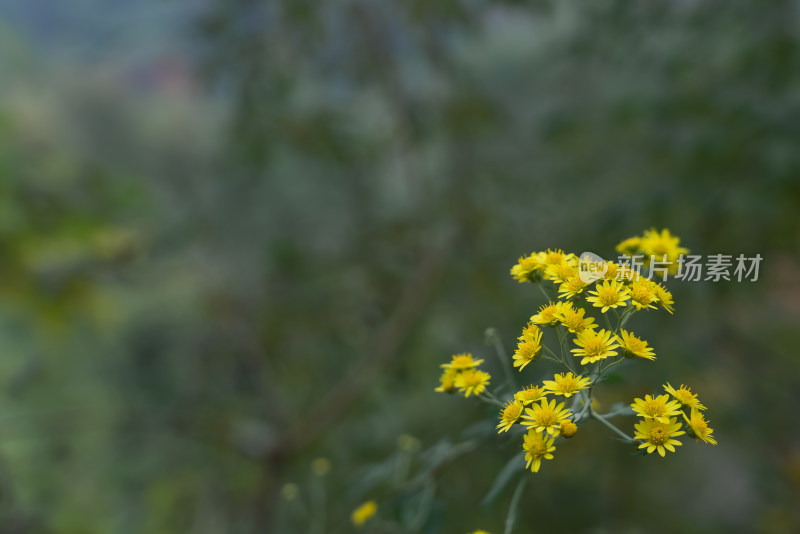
x=240, y=235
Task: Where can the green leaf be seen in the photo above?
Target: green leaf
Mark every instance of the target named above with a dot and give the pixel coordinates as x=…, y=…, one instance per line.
x=514, y=465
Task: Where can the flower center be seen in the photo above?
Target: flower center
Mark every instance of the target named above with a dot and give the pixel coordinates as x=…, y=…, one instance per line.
x=658, y=436
x=512, y=412
x=594, y=347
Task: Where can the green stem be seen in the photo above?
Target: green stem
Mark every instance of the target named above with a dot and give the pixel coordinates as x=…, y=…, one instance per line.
x=500, y=351
x=511, y=518
x=487, y=396
x=544, y=292
x=613, y=427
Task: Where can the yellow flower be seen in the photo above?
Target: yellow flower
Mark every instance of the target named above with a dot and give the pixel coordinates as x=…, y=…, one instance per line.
x=447, y=381
x=462, y=361
x=509, y=415
x=528, y=349
x=684, y=396
x=571, y=288
x=530, y=328
x=594, y=346
x=479, y=532
x=634, y=346
x=529, y=394
x=566, y=384
x=554, y=257
x=568, y=429
x=574, y=319
x=321, y=466
x=363, y=513
x=629, y=246
x=537, y=445
x=659, y=408
x=663, y=298
x=529, y=268
x=289, y=491
x=560, y=272
x=660, y=244
x=609, y=294
x=643, y=294
x=472, y=381
x=658, y=435
x=548, y=313
x=545, y=416
x=698, y=427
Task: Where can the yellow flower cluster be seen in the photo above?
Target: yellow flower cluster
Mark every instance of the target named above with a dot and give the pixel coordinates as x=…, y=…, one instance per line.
x=661, y=246
x=462, y=374
x=659, y=424
x=577, y=305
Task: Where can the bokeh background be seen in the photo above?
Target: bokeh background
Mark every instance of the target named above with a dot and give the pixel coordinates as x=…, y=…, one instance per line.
x=239, y=235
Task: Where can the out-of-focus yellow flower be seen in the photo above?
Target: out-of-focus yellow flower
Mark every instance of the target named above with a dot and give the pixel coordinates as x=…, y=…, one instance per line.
x=664, y=298
x=634, y=346
x=462, y=361
x=320, y=466
x=447, y=382
x=659, y=408
x=408, y=443
x=363, y=513
x=594, y=346
x=472, y=381
x=560, y=272
x=657, y=435
x=537, y=445
x=289, y=491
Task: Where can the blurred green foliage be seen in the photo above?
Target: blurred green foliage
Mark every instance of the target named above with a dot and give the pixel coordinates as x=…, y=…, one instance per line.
x=256, y=248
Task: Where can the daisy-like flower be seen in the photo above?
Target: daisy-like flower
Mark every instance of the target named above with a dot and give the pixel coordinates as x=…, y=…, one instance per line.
x=571, y=287
x=657, y=435
x=684, y=396
x=548, y=313
x=554, y=257
x=511, y=412
x=698, y=427
x=529, y=268
x=528, y=349
x=609, y=294
x=566, y=384
x=472, y=381
x=560, y=272
x=574, y=320
x=634, y=347
x=664, y=298
x=537, y=445
x=594, y=346
x=643, y=294
x=545, y=416
x=529, y=395
x=530, y=328
x=462, y=361
x=447, y=382
x=658, y=408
